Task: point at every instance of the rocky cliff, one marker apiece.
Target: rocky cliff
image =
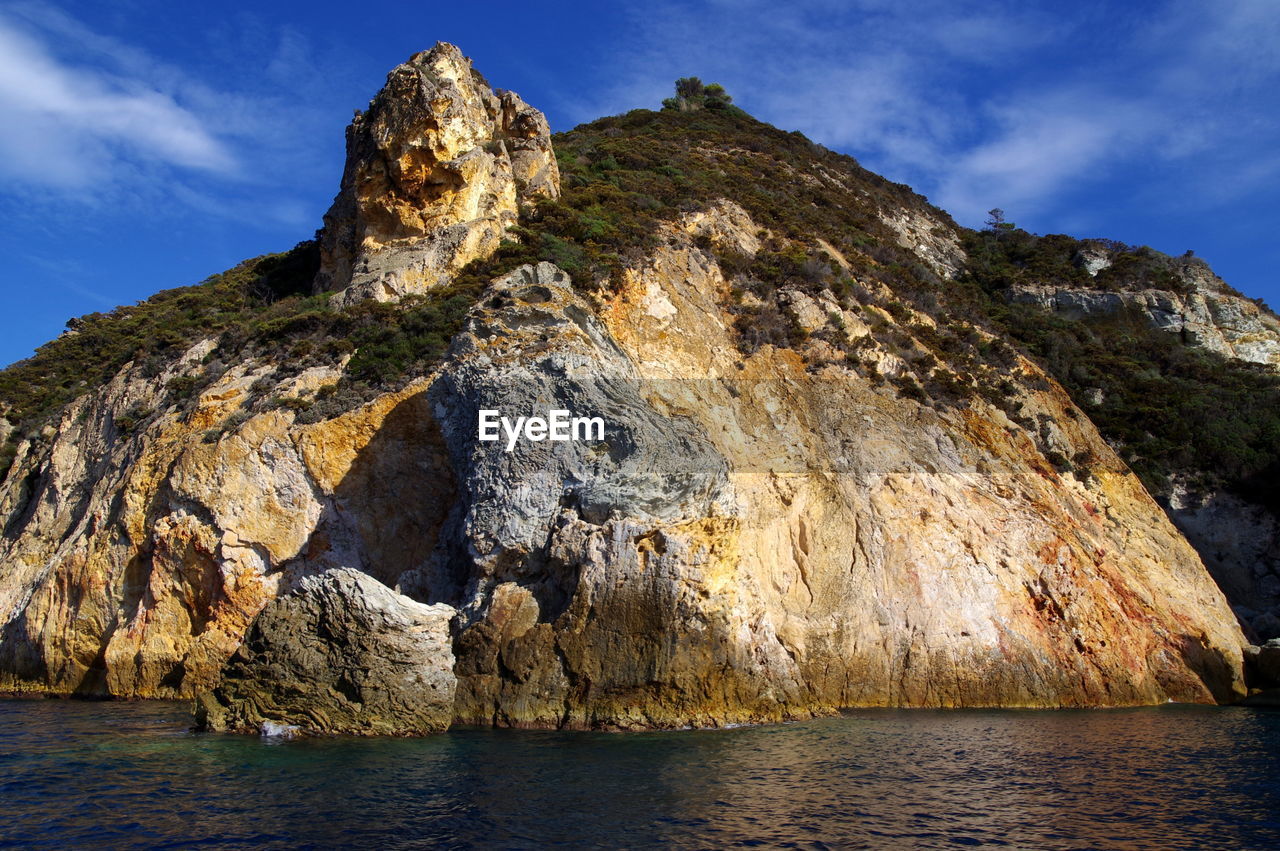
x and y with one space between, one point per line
1182 374
818 486
1203 311
437 169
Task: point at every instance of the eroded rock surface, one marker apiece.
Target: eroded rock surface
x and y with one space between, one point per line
341 654
861 550
757 536
752 541
1209 314
135 560
437 169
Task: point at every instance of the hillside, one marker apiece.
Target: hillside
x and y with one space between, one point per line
934 521
1187 419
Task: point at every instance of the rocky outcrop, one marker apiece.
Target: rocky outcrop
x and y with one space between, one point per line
1239 541
1208 314
135 559
437 169
753 540
1262 664
842 547
753 537
928 237
341 654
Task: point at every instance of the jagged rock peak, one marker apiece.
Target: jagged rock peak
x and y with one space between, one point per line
437 169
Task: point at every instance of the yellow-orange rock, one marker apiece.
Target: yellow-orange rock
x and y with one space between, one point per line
437 170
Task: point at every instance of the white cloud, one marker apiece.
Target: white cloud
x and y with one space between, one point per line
980 104
69 126
93 122
1037 147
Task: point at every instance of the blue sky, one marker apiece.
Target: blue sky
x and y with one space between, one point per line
146 144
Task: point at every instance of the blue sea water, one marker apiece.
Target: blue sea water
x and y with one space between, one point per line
132 775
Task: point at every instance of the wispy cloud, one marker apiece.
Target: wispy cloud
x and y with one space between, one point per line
991 103
69 126
92 121
1034 147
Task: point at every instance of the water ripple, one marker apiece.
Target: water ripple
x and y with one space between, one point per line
131 775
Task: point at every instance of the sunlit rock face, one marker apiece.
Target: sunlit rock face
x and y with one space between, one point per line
437 169
780 542
758 536
135 561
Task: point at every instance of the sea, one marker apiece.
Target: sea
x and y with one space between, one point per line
133 775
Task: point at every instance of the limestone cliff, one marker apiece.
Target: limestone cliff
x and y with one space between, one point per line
753 543
1203 311
820 545
765 531
437 169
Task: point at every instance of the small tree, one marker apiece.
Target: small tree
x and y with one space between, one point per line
692 95
715 97
996 222
690 89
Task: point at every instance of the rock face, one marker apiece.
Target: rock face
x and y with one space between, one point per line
1240 545
755 537
839 547
1209 314
341 654
135 560
1239 541
749 542
437 169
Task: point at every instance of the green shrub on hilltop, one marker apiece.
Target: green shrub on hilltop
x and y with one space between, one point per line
621 176
692 95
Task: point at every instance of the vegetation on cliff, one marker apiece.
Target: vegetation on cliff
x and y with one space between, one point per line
608 588
622 177
692 95
1171 408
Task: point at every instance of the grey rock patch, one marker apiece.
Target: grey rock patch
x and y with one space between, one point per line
533 346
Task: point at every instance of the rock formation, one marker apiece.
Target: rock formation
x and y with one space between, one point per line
1208 314
1239 540
759 535
341 654
437 169
844 528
